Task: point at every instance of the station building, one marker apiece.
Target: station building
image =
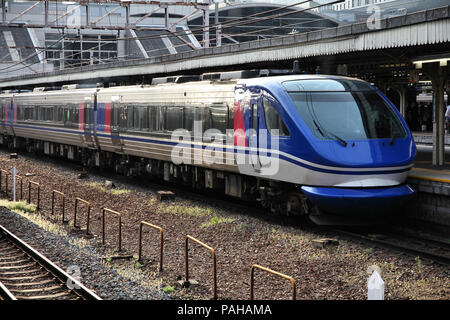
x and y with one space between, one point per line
28 50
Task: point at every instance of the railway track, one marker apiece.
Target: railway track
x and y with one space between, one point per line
25 274
409 243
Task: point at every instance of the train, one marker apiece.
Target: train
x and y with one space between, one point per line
309 145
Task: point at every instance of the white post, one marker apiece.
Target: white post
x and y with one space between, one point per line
14 172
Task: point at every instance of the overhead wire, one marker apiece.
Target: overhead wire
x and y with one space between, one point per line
156 36
228 24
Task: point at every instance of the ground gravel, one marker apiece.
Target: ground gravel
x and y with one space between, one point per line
241 237
96 275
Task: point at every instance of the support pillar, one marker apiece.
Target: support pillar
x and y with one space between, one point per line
437 73
402 102
206 28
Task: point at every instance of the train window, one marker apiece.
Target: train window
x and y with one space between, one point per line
37 113
174 116
356 115
230 124
66 115
130 117
152 114
123 113
115 115
87 114
205 115
273 120
140 118
143 116
219 116
19 112
30 115
255 116
136 122
60 115
189 117
321 85
75 114
156 118
49 114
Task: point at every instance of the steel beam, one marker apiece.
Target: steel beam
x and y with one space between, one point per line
25 11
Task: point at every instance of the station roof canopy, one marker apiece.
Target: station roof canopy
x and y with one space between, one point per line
401 38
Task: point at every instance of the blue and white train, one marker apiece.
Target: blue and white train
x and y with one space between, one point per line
339 145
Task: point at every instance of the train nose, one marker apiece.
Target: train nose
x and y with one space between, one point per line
363 202
370 153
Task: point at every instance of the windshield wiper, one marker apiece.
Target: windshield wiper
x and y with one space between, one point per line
391 142
342 141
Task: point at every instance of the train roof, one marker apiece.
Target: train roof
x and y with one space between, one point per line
267 78
280 79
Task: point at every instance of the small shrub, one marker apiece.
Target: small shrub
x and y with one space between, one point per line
168 289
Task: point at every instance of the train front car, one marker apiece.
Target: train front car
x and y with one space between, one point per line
342 143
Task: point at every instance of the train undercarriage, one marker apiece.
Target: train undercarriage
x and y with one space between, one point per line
277 197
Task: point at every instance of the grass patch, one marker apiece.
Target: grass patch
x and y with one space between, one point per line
184 207
28 211
21 206
215 221
98 186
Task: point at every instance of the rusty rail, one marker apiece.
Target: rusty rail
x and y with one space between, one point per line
2 171
104 210
21 185
38 192
88 213
63 197
252 271
214 271
141 225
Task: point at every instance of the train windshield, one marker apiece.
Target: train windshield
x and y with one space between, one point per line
344 110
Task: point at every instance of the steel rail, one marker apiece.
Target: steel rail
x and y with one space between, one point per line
78 288
5 294
389 241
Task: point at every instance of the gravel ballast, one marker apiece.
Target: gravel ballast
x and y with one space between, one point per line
240 236
85 263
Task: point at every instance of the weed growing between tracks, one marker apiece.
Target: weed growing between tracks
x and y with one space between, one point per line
29 211
114 191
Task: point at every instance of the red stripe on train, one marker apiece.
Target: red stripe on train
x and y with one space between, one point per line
81 116
108 117
239 126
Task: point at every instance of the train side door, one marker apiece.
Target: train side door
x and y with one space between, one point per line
254 132
118 119
88 114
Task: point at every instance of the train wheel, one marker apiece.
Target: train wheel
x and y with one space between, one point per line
294 206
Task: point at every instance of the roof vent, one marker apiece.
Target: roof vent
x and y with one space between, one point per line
42 89
242 74
176 79
78 86
245 74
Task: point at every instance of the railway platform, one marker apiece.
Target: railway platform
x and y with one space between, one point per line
432 203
